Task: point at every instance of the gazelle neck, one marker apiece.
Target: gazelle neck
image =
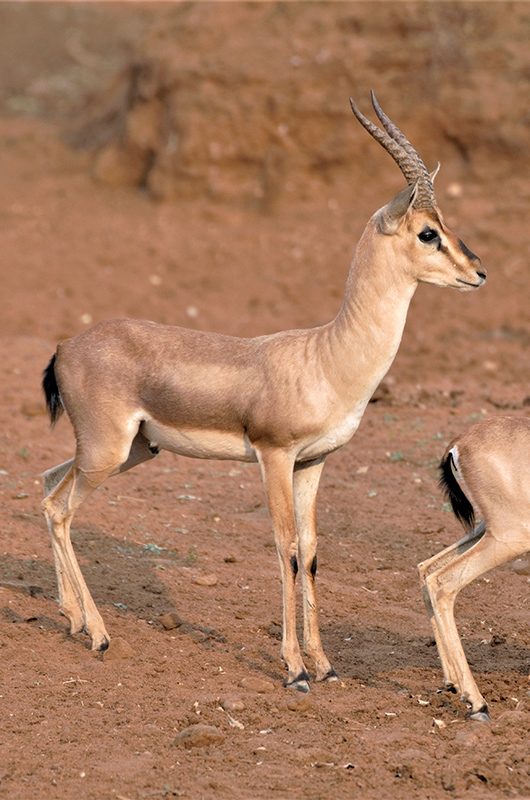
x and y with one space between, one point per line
365 335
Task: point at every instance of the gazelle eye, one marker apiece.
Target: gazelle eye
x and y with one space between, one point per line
428 235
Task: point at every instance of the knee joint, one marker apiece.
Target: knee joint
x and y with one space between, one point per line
54 512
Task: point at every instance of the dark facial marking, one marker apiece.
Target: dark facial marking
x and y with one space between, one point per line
314 567
294 565
466 251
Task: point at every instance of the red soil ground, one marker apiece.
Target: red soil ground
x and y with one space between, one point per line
75 250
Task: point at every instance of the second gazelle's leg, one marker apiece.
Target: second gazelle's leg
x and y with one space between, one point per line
426 568
277 473
443 585
305 485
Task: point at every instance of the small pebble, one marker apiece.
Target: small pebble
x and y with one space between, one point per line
170 620
259 685
490 366
199 735
118 649
448 780
472 735
521 566
301 703
232 703
205 580
496 639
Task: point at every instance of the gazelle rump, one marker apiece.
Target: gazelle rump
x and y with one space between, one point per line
285 400
486 475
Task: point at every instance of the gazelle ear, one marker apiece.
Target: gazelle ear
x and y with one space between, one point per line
390 216
435 172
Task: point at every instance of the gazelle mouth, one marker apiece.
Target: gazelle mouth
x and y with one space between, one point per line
468 283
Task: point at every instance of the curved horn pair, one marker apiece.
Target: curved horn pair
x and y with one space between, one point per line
398 146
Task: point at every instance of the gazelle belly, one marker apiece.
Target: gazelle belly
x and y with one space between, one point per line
199 443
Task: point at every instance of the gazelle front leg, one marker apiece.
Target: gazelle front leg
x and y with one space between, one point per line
305 485
277 474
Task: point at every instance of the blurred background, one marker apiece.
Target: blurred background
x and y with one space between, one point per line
199 164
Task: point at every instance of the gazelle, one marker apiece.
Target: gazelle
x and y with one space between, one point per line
485 473
286 400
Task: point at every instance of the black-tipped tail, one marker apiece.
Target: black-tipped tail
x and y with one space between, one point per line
462 508
51 391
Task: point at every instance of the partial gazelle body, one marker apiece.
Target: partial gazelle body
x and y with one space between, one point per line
286 400
486 475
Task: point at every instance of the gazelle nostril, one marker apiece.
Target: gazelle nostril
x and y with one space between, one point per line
481 275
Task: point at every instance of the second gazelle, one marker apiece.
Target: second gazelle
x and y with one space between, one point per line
286 400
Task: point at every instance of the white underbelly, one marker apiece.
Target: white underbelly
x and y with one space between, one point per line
199 443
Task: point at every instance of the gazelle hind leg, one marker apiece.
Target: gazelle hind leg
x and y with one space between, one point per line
305 486
68 600
66 487
59 507
445 583
277 473
448 553
425 569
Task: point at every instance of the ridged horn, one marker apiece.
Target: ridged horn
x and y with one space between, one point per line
397 145
425 191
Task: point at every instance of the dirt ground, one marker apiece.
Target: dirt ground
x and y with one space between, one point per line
80 244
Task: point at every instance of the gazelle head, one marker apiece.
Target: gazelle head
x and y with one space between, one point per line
415 232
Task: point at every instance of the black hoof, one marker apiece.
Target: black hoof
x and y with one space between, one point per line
330 677
482 715
300 683
447 687
300 686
